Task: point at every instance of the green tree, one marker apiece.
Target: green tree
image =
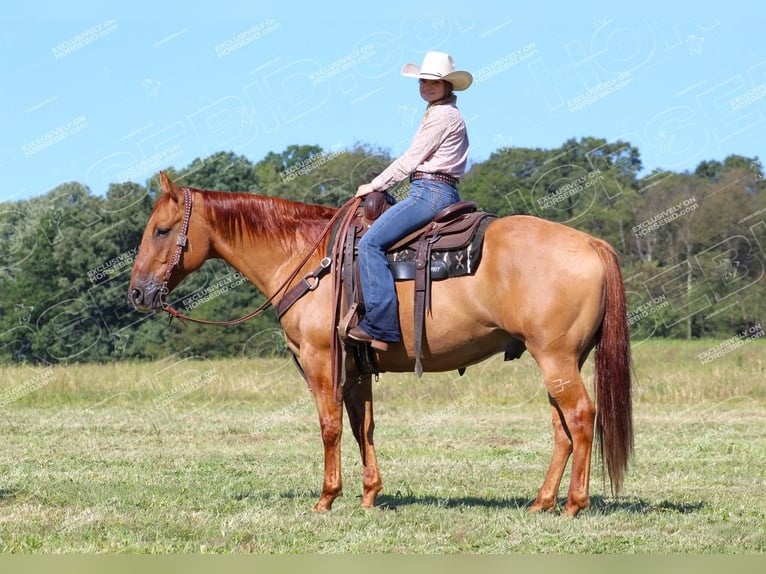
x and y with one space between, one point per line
222 171
693 245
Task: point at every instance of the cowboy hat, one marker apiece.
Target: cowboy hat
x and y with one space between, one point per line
439 66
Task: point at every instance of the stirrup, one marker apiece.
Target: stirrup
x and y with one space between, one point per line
365 338
344 325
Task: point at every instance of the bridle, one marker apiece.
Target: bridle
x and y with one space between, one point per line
180 244
309 282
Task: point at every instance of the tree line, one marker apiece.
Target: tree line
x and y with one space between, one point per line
692 246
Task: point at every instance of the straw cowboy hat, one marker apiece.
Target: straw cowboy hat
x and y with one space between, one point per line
439 66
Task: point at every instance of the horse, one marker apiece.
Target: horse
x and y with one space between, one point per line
541 286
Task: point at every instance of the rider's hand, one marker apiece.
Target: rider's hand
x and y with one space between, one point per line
364 189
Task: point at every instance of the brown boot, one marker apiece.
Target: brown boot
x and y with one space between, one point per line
362 336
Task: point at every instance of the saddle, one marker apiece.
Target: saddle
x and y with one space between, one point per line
448 246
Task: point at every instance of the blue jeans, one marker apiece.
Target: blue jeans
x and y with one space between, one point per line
426 199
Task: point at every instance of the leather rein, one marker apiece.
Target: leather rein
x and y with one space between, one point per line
309 282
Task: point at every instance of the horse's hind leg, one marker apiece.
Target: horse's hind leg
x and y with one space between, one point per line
358 399
562 448
573 416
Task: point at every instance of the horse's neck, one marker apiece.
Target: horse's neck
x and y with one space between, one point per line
269 243
261 263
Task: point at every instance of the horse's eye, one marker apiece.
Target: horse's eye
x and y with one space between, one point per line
162 231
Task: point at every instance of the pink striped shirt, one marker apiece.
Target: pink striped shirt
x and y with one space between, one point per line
440 145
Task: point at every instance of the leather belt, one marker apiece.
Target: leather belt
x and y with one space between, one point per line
442 177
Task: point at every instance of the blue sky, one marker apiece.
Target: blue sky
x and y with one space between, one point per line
102 92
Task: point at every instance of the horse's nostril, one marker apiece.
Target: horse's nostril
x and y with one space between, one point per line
135 295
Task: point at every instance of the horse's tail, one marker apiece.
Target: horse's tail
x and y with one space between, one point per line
614 408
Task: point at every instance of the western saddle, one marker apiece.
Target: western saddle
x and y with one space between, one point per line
448 246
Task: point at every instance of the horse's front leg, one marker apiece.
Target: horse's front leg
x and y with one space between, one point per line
331 425
358 399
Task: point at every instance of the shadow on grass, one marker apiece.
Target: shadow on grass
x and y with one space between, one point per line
394 501
7 494
639 506
266 495
598 504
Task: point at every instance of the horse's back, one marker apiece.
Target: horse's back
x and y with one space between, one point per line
538 235
536 252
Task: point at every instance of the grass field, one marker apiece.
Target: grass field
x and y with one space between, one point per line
190 456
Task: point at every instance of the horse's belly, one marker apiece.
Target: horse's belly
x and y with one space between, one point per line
444 353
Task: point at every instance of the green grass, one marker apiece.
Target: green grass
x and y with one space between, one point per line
135 458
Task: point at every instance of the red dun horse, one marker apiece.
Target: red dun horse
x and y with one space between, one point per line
541 286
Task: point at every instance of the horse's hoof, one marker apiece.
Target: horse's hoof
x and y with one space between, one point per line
573 510
323 505
541 506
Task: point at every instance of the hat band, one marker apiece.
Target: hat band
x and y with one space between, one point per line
433 74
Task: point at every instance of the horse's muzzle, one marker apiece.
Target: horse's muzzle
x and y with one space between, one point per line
146 299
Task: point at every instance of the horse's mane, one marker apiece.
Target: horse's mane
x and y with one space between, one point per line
292 223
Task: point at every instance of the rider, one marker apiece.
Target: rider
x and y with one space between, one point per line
434 162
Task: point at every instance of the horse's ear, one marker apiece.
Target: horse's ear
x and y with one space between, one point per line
169 187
